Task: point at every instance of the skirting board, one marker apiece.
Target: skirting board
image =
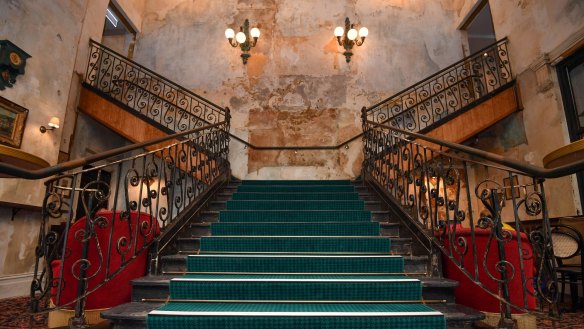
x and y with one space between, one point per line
15 285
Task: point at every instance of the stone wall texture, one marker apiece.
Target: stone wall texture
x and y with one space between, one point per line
297 89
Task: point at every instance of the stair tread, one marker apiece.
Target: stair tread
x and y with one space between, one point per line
138 311
294 278
164 280
307 309
457 312
406 257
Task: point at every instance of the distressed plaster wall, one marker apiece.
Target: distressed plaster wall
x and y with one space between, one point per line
56 34
49 32
539 32
297 89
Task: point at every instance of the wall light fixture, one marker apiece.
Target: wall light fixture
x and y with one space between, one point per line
347 37
245 39
53 124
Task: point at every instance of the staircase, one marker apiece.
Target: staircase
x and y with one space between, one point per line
293 254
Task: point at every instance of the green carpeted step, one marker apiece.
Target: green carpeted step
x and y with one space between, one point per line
294 316
295 287
296 228
303 241
295 205
294 216
363 245
296 189
294 196
296 182
296 263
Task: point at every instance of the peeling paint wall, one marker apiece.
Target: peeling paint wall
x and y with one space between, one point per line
48 31
56 34
539 32
296 89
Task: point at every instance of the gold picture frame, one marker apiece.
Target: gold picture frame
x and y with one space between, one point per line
12 121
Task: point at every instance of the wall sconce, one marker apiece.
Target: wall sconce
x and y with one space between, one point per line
347 37
243 39
53 124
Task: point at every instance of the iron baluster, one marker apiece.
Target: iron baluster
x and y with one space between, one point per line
497 227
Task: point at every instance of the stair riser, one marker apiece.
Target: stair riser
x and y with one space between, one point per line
297 229
294 189
302 264
389 230
306 290
300 322
294 216
212 216
371 206
398 246
312 244
140 291
175 264
141 324
295 196
197 231
229 196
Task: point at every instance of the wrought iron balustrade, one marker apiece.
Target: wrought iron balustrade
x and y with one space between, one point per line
457 198
452 90
147 93
100 223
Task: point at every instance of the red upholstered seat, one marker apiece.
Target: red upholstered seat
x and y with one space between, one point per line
129 235
470 294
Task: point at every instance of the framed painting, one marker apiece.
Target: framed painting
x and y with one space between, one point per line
12 121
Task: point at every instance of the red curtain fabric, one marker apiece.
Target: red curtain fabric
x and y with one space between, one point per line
130 234
468 293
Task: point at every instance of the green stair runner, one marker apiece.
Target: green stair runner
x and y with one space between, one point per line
295 196
296 182
294 216
296 244
296 263
308 246
296 228
294 316
294 205
296 189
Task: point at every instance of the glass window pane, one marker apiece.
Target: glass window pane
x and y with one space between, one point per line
577 84
480 31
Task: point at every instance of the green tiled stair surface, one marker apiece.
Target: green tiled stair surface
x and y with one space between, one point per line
297 228
295 316
296 263
295 196
297 287
294 216
296 244
311 248
295 205
296 189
